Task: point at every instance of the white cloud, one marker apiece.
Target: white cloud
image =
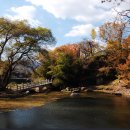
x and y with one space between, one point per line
80 30
87 12
80 10
24 13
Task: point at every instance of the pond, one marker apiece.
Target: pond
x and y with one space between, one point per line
92 111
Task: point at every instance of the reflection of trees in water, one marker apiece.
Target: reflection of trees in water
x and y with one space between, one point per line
5 120
18 119
121 111
82 113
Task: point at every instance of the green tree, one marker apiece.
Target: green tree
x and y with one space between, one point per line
44 64
61 69
19 41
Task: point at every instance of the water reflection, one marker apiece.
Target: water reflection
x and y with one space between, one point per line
93 111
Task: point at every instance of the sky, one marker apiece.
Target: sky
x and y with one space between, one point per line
69 20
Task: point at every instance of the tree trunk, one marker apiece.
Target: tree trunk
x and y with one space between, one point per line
5 80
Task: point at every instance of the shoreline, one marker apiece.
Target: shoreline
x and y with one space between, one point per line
30 101
116 87
124 93
40 99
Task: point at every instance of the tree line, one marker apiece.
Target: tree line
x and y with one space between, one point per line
79 64
86 63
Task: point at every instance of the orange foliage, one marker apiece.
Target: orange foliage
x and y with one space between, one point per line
112 45
71 49
126 43
124 69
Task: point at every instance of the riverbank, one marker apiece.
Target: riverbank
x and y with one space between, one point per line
116 87
34 100
39 99
30 101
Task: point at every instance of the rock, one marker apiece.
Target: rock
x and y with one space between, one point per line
31 91
83 88
89 90
69 89
27 92
75 90
37 90
74 94
63 90
118 94
44 88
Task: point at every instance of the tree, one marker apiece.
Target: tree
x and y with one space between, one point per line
88 48
63 65
93 34
19 41
116 1
44 61
70 49
113 32
126 47
124 70
61 70
125 13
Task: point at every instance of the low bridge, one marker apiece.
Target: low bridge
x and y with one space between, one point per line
28 86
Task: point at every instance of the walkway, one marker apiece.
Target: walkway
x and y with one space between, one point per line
29 86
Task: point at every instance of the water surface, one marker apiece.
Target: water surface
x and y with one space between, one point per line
92 111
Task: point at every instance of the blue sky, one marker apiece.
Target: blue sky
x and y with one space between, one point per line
69 20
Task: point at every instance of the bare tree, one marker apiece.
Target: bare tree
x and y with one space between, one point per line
89 48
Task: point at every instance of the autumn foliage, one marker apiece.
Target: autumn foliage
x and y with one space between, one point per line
87 63
70 49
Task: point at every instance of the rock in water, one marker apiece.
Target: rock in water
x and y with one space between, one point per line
74 94
27 92
118 94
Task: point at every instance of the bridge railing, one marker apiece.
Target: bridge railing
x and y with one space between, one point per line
20 87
